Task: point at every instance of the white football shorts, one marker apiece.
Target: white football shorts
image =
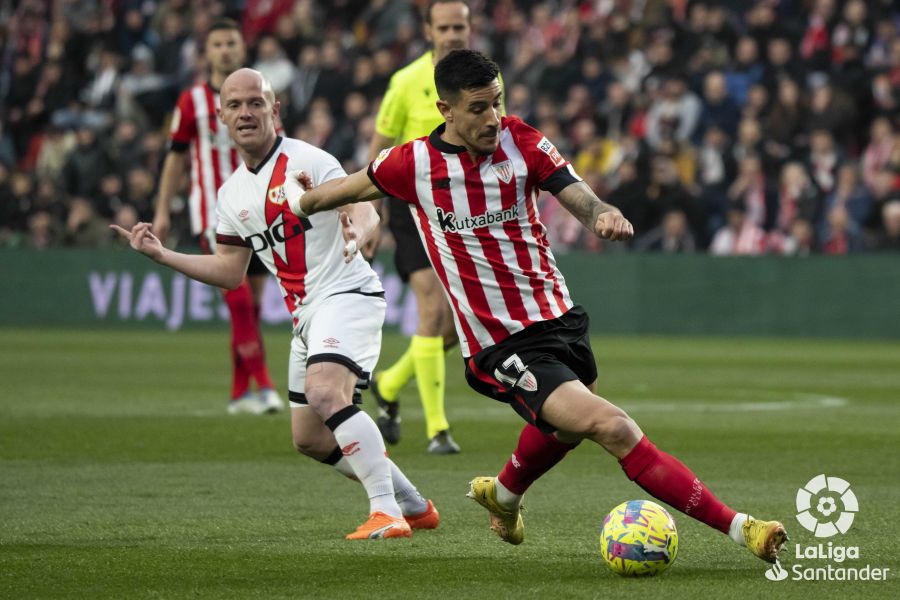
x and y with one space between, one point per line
344 328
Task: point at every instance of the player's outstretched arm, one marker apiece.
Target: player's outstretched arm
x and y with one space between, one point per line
605 220
225 268
305 200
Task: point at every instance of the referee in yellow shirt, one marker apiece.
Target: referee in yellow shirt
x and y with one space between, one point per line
407 112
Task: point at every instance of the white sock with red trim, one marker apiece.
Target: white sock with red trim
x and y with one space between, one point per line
363 449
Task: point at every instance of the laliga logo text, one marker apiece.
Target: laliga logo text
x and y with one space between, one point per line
826 506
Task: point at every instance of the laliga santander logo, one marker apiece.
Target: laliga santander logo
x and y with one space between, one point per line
826 506
835 505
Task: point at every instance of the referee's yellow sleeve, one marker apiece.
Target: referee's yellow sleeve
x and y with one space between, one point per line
391 117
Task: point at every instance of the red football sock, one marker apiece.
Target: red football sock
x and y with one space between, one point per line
666 478
246 342
536 454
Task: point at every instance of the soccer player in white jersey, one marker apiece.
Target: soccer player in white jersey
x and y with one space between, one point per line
197 133
334 296
472 186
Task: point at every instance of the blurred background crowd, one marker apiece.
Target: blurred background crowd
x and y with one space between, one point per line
721 126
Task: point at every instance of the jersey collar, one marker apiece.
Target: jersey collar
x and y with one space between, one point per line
441 145
263 162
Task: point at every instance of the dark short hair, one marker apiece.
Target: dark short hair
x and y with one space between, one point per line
463 70
432 3
223 24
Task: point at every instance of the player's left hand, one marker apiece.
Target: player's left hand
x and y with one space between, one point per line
613 226
351 237
141 239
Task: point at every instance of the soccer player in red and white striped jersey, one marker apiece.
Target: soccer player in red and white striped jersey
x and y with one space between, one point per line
472 186
197 133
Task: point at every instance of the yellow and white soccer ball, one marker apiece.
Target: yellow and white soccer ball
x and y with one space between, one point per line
639 539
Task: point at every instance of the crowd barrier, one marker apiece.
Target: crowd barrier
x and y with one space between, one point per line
852 296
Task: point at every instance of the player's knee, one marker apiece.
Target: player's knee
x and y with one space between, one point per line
326 399
304 446
613 431
310 446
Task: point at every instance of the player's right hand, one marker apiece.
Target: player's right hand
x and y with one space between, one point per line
141 239
613 226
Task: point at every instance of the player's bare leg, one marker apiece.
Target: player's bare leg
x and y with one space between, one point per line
313 439
577 413
329 391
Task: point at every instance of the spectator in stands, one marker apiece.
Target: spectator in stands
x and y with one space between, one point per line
840 235
739 236
888 238
798 198
882 141
800 241
675 113
84 228
785 136
781 63
751 192
87 164
719 110
672 236
824 158
850 193
716 168
746 71
274 65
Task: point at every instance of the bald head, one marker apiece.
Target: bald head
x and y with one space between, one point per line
249 110
248 78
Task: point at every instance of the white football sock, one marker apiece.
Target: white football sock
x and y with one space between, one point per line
408 497
734 530
405 493
363 449
506 497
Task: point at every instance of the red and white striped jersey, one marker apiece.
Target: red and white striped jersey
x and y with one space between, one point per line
196 127
306 255
480 223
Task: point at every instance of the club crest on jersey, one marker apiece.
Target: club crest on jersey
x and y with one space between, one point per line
503 171
547 147
381 158
277 195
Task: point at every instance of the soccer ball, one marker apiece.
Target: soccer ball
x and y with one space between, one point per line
639 539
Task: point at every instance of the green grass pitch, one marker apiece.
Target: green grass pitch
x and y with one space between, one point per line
122 476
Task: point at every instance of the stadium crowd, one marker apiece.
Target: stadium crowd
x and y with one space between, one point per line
722 126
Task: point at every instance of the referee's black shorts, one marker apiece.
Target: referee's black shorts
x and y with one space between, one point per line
525 368
409 255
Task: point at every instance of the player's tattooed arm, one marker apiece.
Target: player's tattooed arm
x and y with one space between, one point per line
605 220
305 200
